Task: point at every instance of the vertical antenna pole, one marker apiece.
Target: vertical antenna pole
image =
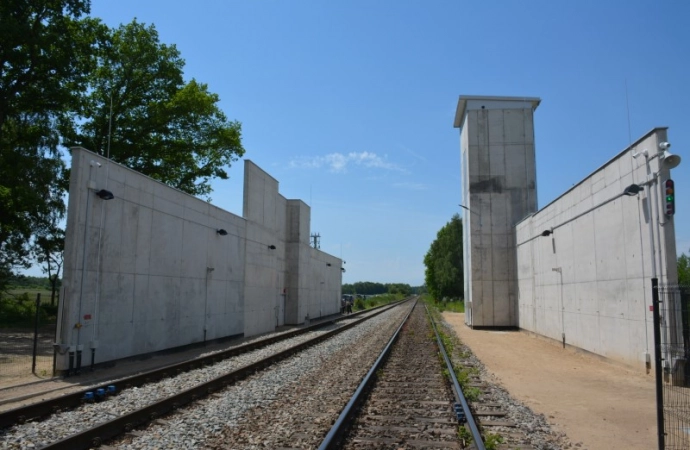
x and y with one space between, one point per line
627 107
110 122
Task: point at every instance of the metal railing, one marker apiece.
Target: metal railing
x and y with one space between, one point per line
672 358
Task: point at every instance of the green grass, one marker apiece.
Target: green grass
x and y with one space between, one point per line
457 306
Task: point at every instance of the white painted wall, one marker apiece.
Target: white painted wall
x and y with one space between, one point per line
589 282
147 271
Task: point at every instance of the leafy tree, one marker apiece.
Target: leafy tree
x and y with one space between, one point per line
684 270
444 264
21 281
44 53
162 127
48 249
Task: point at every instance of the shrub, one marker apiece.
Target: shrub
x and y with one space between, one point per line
359 304
20 311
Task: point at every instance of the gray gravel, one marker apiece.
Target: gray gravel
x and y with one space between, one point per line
63 424
532 428
292 404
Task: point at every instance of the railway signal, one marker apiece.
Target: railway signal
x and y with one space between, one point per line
670 198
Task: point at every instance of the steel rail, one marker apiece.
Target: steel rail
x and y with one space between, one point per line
97 435
70 401
476 434
344 417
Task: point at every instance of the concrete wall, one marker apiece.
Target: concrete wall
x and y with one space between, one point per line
588 283
499 189
147 270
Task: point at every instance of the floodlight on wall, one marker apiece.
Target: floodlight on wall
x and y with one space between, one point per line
221 232
105 195
546 233
328 264
272 247
669 160
342 269
633 189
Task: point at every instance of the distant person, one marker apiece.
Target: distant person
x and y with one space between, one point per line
349 307
343 305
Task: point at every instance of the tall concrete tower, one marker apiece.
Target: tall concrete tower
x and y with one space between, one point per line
498 190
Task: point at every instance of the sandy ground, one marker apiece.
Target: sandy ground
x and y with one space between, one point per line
596 403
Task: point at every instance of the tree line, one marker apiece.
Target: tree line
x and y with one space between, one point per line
67 79
372 288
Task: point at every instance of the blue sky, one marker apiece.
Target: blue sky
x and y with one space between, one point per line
350 104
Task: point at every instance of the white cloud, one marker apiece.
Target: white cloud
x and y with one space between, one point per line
339 163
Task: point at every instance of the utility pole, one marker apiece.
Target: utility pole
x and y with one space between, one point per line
315 240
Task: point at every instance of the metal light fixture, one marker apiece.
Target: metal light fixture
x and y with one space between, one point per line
222 232
633 189
328 264
342 269
669 160
105 195
473 212
546 233
272 247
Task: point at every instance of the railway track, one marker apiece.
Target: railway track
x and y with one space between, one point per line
294 401
212 373
408 399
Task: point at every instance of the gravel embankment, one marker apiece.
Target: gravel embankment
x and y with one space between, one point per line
63 424
290 405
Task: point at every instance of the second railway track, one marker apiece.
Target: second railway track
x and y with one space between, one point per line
95 423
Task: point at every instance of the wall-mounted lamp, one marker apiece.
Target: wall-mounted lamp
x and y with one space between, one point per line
272 247
633 189
669 160
473 212
546 233
342 269
221 232
328 264
105 195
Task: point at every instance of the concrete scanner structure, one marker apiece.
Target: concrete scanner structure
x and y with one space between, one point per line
579 269
149 268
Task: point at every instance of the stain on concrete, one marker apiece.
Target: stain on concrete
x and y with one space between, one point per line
489 185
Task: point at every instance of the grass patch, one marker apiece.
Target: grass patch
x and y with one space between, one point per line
458 306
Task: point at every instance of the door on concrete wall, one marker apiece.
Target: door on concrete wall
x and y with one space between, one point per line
280 308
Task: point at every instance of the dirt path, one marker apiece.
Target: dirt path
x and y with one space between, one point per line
601 405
